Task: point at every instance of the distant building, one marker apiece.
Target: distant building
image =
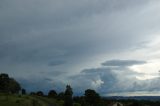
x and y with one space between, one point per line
116 104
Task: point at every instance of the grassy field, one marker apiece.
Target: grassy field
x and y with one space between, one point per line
26 100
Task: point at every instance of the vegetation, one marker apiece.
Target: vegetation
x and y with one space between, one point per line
68 96
39 93
52 94
19 100
23 91
8 85
92 98
10 95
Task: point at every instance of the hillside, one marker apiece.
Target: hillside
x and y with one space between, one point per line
26 100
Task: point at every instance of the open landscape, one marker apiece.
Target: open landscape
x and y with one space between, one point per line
30 100
11 94
79 53
22 100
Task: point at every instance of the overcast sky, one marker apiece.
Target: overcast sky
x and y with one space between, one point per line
111 46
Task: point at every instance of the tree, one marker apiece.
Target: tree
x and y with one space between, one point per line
52 94
79 99
8 85
32 93
23 91
92 98
40 93
68 96
13 86
61 96
4 80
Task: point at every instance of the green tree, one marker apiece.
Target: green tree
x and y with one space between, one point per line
23 91
32 93
68 96
4 81
52 94
61 96
92 98
13 86
39 93
8 85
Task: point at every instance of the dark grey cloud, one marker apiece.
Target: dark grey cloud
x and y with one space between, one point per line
38 30
35 84
56 63
112 80
35 35
122 62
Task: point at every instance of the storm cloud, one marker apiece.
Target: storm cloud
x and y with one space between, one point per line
88 41
122 62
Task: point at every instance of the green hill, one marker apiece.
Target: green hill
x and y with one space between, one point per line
27 100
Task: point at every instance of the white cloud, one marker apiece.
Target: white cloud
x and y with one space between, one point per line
97 83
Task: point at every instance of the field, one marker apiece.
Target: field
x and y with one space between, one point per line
33 100
27 100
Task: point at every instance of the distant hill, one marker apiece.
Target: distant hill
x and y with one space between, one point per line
151 98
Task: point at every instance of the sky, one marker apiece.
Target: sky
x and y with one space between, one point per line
111 46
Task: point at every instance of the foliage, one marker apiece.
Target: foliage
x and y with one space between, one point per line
39 93
68 96
32 93
76 104
61 96
52 94
92 98
14 86
8 85
16 100
23 91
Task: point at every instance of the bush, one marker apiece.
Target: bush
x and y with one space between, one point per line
76 104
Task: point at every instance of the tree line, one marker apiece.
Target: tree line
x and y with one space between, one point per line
90 97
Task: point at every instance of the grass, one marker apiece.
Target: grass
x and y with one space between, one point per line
24 100
28 100
51 101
